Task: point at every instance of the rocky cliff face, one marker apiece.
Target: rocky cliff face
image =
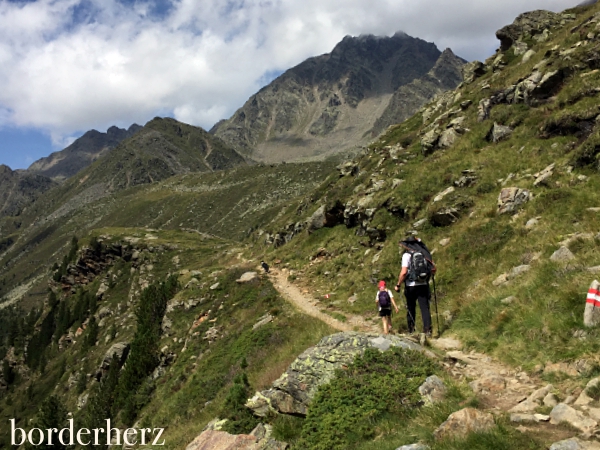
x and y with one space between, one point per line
81 153
445 75
327 103
18 189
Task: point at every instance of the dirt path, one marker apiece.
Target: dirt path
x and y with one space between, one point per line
500 388
310 306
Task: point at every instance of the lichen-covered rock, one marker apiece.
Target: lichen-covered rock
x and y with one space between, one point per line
294 390
511 198
499 133
463 422
121 350
433 390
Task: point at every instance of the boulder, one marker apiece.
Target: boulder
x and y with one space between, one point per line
550 400
247 277
575 444
121 349
463 422
414 447
433 390
564 413
527 56
348 169
220 440
448 138
295 389
326 218
484 109
499 133
445 217
584 398
510 199
473 70
429 141
563 254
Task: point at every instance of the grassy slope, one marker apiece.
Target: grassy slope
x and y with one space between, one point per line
539 326
227 204
193 390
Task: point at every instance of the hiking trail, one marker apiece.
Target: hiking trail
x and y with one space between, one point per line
498 387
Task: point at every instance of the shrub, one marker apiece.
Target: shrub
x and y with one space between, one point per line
345 412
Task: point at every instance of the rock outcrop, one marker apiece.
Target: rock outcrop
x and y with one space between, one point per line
529 24
215 439
294 390
463 422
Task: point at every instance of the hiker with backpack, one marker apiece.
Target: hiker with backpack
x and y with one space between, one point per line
417 269
385 300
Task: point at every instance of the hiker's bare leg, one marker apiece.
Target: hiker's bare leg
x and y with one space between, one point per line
385 325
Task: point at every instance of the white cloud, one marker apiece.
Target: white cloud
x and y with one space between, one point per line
67 66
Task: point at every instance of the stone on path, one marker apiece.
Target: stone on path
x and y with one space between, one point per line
565 413
575 444
584 398
461 423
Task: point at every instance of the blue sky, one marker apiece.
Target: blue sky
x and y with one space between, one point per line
67 66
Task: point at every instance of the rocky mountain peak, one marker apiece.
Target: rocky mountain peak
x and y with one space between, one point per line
81 153
328 103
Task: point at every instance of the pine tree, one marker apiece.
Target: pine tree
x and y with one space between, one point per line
52 414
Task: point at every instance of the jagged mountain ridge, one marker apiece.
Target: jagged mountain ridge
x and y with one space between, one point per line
81 153
161 149
329 103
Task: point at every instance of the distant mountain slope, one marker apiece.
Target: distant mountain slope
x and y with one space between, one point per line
328 103
445 75
81 153
18 189
159 150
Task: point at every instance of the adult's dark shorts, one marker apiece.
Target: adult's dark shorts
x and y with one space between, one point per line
385 313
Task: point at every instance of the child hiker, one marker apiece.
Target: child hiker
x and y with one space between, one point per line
385 300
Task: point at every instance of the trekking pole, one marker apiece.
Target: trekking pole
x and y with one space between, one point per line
437 316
